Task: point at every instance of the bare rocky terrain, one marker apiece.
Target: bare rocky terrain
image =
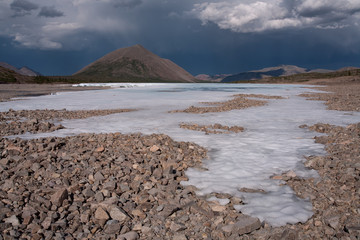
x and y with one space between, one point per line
239 101
115 186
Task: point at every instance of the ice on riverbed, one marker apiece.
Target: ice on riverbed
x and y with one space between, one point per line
271 144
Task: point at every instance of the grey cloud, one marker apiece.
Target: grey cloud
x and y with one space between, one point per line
127 3
50 12
22 7
260 15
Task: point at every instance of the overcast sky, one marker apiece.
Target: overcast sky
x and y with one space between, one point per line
58 37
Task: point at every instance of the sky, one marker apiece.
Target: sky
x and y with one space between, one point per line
59 37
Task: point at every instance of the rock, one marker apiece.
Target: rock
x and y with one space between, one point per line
129 236
99 197
26 216
100 149
154 148
13 220
289 234
145 230
101 214
98 176
58 197
88 192
84 217
333 222
112 227
139 213
47 222
117 214
318 223
176 227
291 174
111 185
218 208
244 224
179 236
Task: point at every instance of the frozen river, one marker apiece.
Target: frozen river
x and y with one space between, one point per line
271 144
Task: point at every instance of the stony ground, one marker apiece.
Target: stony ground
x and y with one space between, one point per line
8 91
240 101
108 186
115 186
342 97
212 129
38 121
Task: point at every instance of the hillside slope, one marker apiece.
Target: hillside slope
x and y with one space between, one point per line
10 76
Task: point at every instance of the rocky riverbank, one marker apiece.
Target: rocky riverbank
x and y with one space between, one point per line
115 186
8 91
344 97
39 121
109 186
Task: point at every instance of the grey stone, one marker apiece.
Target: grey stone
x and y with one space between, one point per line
88 192
13 220
179 236
98 176
129 236
245 224
99 197
117 214
101 214
112 227
58 197
111 185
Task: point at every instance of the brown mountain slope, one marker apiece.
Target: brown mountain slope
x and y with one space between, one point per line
10 76
134 64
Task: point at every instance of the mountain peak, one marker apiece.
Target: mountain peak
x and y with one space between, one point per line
135 63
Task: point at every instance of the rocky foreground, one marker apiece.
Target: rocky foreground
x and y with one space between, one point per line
115 186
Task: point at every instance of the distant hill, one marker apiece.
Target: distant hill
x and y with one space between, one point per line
211 78
10 76
28 72
343 76
23 71
283 70
134 64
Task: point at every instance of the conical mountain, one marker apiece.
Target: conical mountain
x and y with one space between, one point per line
134 64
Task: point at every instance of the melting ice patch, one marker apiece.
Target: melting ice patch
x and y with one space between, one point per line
272 142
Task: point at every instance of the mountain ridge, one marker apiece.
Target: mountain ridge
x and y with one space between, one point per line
278 71
26 71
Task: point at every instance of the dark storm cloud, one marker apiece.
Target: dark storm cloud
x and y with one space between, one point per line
127 3
202 36
259 16
50 12
22 7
